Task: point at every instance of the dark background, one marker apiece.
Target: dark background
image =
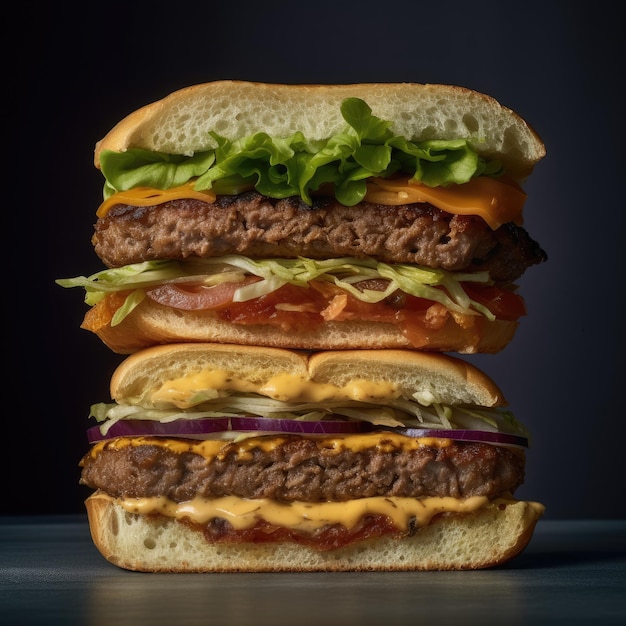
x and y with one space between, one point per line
74 73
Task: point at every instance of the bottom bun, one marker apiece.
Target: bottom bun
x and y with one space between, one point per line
154 543
152 323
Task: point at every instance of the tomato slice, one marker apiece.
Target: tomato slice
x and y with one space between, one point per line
195 297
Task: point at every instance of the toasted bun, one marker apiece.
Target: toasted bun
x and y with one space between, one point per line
429 376
180 123
151 323
485 538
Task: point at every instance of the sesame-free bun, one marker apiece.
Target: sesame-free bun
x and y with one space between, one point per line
181 122
483 538
151 323
427 376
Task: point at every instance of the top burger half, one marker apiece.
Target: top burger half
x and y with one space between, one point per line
313 217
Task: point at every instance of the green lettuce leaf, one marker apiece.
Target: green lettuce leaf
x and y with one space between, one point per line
142 168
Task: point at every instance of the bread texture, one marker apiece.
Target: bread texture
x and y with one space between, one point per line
181 122
428 376
487 537
152 323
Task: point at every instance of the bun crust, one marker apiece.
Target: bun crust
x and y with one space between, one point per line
485 538
180 123
151 323
434 377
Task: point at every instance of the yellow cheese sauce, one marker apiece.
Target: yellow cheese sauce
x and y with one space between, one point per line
242 513
284 387
216 448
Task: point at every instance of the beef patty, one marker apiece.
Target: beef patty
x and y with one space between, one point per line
254 225
297 468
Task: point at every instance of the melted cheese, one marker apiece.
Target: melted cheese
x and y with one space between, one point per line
244 513
215 448
497 201
284 387
147 196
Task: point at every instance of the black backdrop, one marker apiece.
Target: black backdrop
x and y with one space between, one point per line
74 74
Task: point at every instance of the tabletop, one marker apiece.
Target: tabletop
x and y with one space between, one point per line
573 572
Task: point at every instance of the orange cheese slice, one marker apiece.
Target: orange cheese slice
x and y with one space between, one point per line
497 201
148 196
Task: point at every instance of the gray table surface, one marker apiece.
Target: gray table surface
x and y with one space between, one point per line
573 572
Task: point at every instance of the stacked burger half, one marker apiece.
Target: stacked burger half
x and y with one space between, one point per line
289 270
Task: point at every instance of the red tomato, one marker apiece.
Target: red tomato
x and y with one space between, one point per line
505 305
288 307
194 297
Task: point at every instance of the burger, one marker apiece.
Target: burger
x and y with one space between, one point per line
316 217
224 458
287 270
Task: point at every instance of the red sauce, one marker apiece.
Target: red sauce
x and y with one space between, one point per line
292 308
327 538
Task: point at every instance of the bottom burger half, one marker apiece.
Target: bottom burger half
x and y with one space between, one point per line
217 458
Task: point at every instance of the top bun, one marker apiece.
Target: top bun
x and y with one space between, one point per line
180 123
424 376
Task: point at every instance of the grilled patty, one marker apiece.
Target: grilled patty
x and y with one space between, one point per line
298 468
254 225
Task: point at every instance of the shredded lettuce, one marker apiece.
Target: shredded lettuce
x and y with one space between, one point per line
395 412
135 276
280 167
423 282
